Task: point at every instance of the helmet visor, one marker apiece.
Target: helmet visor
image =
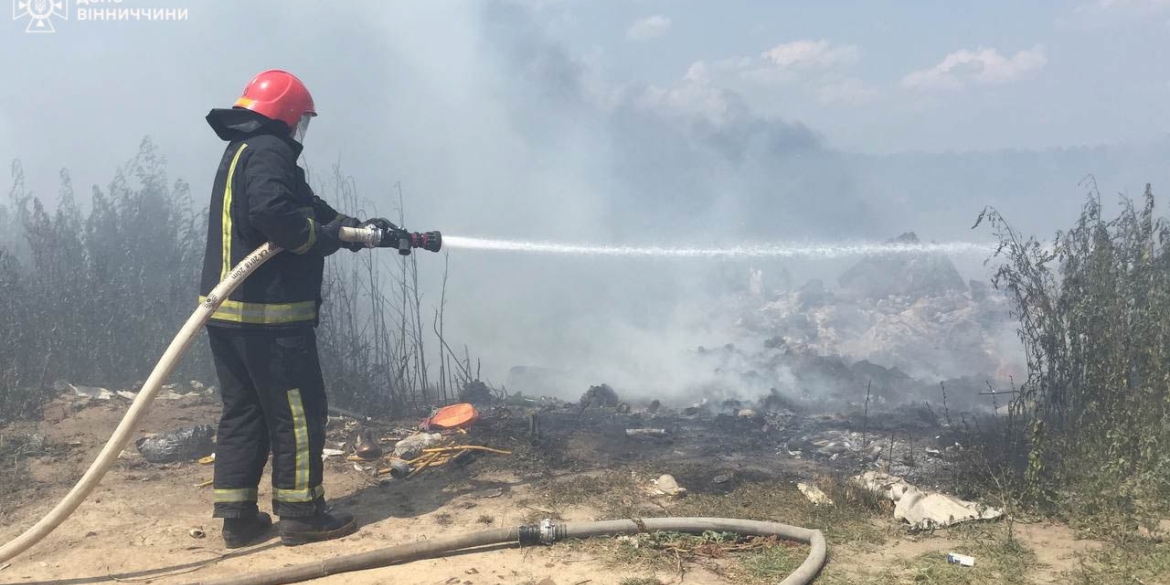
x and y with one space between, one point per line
302 128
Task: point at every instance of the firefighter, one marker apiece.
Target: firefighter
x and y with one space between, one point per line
263 337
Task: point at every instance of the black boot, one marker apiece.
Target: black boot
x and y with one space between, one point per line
238 532
315 528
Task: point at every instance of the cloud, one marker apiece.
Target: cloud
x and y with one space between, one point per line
707 72
1105 14
815 67
698 72
648 28
848 91
533 4
1101 5
802 61
980 67
809 53
694 99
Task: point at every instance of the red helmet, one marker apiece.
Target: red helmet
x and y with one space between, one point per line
278 95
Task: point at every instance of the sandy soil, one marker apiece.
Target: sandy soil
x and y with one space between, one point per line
136 527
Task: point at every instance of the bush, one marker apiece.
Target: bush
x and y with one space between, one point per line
1094 311
97 297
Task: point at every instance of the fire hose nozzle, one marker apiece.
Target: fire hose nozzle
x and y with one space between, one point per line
405 241
429 241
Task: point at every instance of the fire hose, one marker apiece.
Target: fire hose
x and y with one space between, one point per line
545 533
368 236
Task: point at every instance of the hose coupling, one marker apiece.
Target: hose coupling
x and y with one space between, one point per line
544 533
548 531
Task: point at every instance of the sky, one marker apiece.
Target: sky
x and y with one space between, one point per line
681 122
868 76
881 76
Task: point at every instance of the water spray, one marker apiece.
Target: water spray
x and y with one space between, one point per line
775 250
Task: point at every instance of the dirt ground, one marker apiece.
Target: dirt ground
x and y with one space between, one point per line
137 526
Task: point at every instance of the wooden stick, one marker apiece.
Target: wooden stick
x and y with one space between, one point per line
466 447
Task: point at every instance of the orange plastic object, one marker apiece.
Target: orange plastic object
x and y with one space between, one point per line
456 416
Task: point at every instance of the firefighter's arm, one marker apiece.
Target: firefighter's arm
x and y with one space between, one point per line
325 214
272 210
323 211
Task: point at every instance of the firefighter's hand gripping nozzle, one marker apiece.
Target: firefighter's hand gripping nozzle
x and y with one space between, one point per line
404 241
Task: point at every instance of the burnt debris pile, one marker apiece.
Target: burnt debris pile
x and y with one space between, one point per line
895 330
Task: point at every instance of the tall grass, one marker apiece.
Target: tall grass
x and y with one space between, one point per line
1094 310
374 334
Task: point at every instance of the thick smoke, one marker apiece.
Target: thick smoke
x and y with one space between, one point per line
690 165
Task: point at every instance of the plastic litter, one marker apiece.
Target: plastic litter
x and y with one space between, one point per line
666 485
412 446
922 509
91 392
455 416
814 494
958 559
644 433
184 444
98 393
399 469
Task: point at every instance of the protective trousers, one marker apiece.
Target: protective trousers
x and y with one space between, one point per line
273 398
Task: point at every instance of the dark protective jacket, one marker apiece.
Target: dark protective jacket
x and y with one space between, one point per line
260 195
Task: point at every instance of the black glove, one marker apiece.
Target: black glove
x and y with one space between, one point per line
380 223
332 230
